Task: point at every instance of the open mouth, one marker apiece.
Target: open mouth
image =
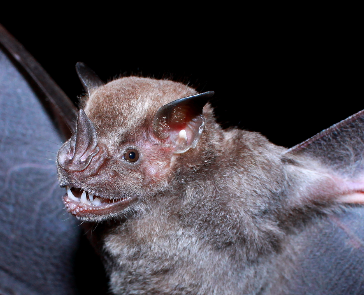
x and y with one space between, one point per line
83 204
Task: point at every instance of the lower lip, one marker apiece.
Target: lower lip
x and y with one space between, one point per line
82 210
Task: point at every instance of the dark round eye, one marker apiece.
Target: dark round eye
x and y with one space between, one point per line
131 155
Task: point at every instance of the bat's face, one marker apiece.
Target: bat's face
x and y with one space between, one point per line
115 158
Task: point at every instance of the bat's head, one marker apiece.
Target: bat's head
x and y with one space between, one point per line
128 137
153 147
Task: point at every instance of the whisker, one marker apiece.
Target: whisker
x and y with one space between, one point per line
94 228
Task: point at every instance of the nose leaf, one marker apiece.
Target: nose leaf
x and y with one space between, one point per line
77 153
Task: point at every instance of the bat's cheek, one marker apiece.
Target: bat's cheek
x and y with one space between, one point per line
156 172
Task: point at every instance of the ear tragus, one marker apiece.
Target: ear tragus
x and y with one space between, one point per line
181 121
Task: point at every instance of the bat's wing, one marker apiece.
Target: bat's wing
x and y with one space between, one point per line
331 256
39 242
331 260
340 147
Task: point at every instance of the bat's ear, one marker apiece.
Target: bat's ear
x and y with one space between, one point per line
88 78
181 121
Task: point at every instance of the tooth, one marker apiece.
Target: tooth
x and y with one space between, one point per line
84 199
96 202
91 197
70 195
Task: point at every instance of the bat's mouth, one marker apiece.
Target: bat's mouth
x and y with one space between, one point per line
84 205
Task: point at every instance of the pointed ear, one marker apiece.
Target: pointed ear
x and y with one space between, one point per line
181 121
88 78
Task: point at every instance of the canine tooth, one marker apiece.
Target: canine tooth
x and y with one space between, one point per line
84 199
91 197
70 195
96 202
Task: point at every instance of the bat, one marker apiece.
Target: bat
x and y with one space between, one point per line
242 218
190 208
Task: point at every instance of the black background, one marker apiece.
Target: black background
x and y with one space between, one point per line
285 75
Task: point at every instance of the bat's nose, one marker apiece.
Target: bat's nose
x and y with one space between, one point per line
78 153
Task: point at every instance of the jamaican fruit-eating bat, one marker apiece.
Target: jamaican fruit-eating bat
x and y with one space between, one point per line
186 207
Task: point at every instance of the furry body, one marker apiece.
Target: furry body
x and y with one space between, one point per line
221 218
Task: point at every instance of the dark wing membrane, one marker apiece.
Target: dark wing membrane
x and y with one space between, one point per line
62 105
340 147
42 249
38 241
331 256
333 249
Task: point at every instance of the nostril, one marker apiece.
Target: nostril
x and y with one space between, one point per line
80 167
88 155
65 155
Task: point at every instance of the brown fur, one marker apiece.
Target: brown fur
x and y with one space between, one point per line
220 218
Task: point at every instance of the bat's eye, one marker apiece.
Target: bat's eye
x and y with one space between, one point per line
131 155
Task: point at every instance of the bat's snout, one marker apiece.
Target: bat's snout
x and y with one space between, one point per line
82 153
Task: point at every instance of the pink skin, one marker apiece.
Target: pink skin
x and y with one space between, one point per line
155 163
352 192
